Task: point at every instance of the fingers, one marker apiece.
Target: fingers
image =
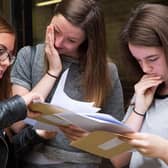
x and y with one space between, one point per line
49 41
124 137
34 114
146 82
37 98
73 132
137 140
46 134
150 76
31 96
52 55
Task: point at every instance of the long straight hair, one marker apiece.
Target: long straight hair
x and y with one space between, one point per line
88 15
5 86
147 26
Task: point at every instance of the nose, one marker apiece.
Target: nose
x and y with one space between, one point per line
59 42
146 67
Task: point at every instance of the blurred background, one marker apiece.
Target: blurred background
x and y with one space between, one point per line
30 18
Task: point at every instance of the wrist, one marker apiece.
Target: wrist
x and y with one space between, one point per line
138 112
54 72
53 75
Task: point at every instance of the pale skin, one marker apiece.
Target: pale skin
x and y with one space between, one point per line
61 38
150 145
152 61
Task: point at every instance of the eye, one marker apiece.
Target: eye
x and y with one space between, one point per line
2 51
152 59
72 41
56 31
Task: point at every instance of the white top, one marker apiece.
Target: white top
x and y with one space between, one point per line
155 122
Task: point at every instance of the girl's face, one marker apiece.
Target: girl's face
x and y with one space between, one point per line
7 42
152 60
68 37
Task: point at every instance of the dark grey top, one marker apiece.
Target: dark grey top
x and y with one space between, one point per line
28 70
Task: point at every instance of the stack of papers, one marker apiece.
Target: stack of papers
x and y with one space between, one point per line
63 110
55 116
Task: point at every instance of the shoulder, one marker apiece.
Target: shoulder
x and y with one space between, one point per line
30 54
113 70
28 49
112 67
39 48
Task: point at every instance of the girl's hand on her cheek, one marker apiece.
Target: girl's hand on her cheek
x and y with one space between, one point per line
55 65
73 132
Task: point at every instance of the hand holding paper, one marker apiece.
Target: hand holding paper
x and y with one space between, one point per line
92 132
73 132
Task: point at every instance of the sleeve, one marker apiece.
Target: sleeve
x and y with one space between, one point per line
12 110
25 140
21 70
115 102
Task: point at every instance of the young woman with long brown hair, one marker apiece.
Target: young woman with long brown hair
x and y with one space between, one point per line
77 35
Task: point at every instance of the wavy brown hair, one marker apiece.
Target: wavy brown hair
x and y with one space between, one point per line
5 86
88 15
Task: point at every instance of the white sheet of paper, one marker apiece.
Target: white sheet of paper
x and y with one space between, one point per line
40 125
61 99
92 124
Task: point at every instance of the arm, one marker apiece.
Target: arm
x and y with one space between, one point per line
43 87
21 73
47 82
144 95
12 110
144 92
54 65
15 109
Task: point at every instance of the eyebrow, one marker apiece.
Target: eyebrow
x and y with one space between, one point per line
3 46
150 56
59 30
